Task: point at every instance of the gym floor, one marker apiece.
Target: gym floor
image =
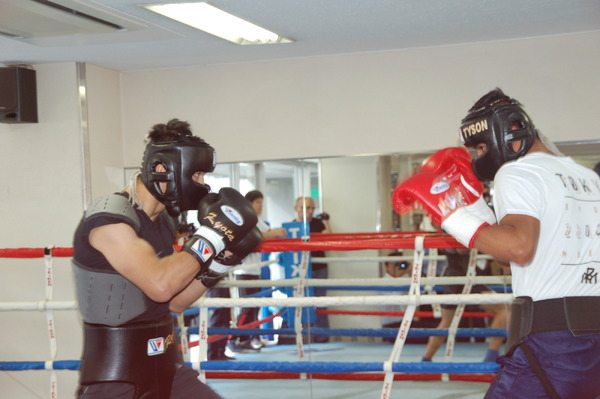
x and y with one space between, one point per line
352 352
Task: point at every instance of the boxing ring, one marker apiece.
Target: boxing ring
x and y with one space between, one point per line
418 290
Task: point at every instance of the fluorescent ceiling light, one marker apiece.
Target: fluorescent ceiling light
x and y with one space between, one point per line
217 22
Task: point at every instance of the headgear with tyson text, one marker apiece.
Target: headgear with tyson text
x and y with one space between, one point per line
496 120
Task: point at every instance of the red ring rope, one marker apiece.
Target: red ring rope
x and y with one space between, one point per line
357 241
322 241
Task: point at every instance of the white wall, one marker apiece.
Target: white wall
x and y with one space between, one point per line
42 199
367 103
105 131
40 204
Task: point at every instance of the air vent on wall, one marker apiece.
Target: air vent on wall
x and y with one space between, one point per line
30 19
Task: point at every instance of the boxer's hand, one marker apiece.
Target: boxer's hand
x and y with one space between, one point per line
452 157
438 193
225 219
228 213
204 245
227 258
235 253
450 194
466 222
213 274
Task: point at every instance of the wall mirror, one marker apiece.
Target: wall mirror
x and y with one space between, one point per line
283 181
354 190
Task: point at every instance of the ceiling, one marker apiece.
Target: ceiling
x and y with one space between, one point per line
319 27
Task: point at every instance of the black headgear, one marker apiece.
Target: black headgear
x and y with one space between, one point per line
597 168
494 125
181 159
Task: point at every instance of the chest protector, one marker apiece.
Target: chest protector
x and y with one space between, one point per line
106 297
143 354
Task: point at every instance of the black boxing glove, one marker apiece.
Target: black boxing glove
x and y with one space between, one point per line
241 249
225 220
227 213
221 264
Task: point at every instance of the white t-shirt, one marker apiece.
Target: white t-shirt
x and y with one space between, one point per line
254 257
565 197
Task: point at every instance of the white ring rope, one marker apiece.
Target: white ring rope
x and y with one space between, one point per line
39 305
253 266
340 259
454 299
365 282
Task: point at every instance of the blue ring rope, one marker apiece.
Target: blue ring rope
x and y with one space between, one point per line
295 367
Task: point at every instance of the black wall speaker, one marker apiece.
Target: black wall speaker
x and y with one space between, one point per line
18 95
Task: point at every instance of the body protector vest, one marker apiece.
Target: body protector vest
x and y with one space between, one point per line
107 297
145 353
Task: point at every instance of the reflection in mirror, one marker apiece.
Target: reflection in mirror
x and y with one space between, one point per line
281 182
356 190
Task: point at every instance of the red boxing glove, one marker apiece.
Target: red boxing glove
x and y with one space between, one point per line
437 195
446 158
445 185
451 161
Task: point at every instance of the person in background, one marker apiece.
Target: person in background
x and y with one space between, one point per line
394 269
129 278
305 209
249 270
